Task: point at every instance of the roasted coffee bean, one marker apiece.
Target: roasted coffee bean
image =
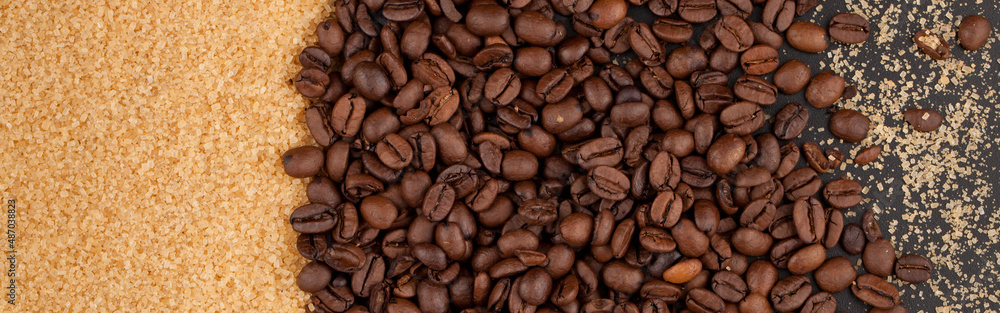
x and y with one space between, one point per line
487 19
932 44
790 293
311 82
532 61
755 89
502 87
729 286
849 125
879 257
791 121
875 291
304 161
853 239
672 30
778 14
842 193
742 118
849 28
815 158
313 277
725 153
766 36
913 268
923 120
740 8
973 32
810 220
822 302
696 11
344 257
751 242
807 259
761 277
378 211
755 302
807 37
701 300
330 36
835 274
683 61
792 77
868 155
824 89
870 226
313 218
734 33
759 59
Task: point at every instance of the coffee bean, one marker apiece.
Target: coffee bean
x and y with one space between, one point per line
313 218
761 276
913 268
751 242
802 182
742 118
868 155
807 37
304 161
790 293
973 32
923 120
755 302
502 87
378 211
853 239
729 286
755 89
849 28
842 193
778 14
822 302
932 44
875 291
701 300
313 277
815 158
672 30
870 226
792 77
734 33
810 220
824 89
759 60
763 35
344 257
311 82
807 259
683 61
725 153
834 228
791 121
879 257
849 125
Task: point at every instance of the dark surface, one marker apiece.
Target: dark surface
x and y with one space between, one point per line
961 279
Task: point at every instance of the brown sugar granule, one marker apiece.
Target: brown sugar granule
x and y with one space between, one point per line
142 141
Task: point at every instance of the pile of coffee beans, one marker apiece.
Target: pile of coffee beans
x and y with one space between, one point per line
479 156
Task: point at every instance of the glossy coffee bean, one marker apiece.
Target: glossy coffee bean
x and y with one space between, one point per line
923 120
849 125
974 31
849 28
807 37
